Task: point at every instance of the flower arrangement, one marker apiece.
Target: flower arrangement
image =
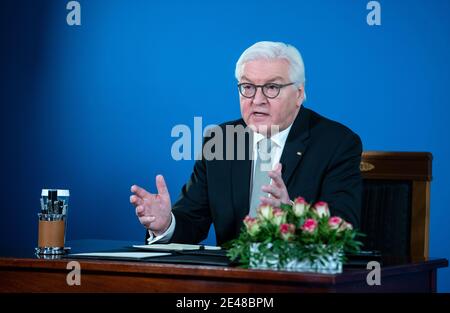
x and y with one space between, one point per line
300 237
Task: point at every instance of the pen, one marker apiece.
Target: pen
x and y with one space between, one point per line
60 206
43 207
55 207
52 201
49 206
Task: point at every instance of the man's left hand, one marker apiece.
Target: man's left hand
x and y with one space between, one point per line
277 190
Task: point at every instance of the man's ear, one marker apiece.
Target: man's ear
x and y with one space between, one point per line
300 95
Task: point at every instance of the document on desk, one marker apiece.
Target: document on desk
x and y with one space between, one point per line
175 247
121 255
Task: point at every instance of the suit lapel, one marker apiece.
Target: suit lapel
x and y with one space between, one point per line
296 144
240 179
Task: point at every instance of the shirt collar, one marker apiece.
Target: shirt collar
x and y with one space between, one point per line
279 138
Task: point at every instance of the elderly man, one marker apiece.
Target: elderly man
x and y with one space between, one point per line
308 155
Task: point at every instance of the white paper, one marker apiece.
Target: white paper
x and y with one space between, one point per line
174 247
136 255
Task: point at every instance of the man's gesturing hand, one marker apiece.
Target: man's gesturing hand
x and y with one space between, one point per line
277 190
153 210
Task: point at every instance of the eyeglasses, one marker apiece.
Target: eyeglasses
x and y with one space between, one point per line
270 90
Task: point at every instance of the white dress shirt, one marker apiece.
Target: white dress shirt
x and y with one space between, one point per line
278 142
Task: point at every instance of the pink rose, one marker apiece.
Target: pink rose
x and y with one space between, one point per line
300 206
287 231
252 225
279 216
334 222
309 225
321 208
248 220
345 226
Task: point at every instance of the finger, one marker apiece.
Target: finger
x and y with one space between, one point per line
274 191
140 192
135 200
147 220
140 211
276 178
278 168
161 186
270 201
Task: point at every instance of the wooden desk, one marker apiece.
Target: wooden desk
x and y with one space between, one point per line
38 275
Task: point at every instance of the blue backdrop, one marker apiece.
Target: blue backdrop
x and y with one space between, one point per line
91 107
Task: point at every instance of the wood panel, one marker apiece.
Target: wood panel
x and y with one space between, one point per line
397 165
34 275
415 167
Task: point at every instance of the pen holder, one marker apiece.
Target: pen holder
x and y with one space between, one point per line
52 229
52 222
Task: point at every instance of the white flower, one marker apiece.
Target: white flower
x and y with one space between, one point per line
279 217
300 206
321 209
345 226
266 212
252 225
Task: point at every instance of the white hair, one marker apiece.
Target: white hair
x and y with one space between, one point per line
274 50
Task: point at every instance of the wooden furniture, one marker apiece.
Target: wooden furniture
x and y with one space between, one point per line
29 274
401 181
33 275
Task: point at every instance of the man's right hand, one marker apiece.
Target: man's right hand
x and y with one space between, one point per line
153 210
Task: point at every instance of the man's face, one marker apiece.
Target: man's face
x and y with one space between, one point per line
262 112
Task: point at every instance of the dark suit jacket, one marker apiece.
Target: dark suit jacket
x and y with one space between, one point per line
327 170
